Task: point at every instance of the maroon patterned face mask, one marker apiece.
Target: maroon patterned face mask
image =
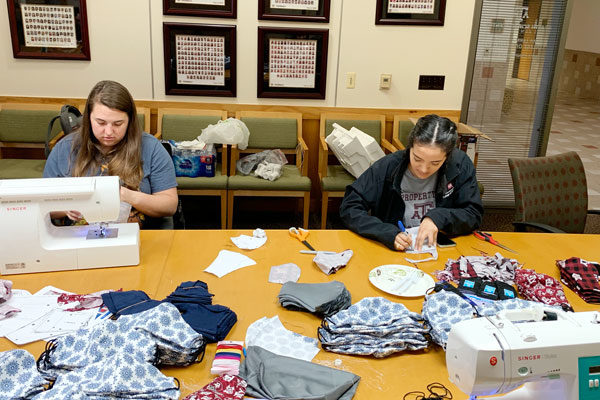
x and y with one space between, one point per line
540 287
224 387
581 276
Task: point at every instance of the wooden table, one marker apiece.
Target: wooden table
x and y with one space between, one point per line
168 258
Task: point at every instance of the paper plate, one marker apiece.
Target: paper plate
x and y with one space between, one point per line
389 278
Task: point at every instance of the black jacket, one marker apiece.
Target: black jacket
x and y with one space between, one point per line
372 205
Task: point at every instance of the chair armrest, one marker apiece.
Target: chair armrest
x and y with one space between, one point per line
323 144
323 154
387 146
235 155
398 144
158 135
521 225
303 153
55 139
224 159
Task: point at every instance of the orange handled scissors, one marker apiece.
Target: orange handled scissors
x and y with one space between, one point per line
301 235
488 238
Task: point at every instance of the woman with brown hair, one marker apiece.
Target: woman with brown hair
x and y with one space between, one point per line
111 142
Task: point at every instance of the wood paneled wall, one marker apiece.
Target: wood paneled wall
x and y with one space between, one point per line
310 121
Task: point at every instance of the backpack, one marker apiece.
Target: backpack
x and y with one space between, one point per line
70 119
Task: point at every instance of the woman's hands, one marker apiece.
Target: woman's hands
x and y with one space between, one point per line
427 231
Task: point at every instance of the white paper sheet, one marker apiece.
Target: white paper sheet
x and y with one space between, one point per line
228 261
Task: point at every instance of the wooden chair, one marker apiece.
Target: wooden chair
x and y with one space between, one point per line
23 126
272 130
333 177
186 124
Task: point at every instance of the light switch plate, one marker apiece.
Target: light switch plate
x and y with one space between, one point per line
385 81
350 80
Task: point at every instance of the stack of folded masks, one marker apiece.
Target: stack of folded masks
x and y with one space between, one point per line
119 376
194 302
158 336
323 299
445 308
128 302
191 292
213 321
373 326
581 276
540 287
271 376
486 267
19 377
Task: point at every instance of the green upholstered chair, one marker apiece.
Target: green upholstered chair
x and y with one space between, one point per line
333 177
272 130
550 193
186 124
24 127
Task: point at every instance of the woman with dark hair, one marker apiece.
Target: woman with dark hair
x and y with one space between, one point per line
111 142
431 184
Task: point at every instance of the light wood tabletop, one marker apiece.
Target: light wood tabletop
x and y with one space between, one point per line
169 258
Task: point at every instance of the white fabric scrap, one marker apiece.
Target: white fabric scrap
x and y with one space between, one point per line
330 263
269 171
270 334
426 248
289 272
228 261
245 242
190 145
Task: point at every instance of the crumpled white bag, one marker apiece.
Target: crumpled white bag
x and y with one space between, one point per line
229 131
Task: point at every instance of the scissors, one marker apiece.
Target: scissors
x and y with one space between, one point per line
488 238
301 235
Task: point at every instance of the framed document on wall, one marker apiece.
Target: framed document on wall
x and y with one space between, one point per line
201 8
294 10
54 29
292 63
410 12
199 59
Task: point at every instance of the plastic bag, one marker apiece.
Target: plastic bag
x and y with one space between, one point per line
269 171
193 162
229 131
247 164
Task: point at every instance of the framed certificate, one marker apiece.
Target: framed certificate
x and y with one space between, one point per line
410 12
201 8
292 63
294 10
199 59
54 29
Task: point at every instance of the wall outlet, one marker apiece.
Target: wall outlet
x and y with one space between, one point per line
385 81
350 80
431 82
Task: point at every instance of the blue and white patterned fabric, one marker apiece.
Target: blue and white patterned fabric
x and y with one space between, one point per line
443 309
157 336
373 326
121 376
19 377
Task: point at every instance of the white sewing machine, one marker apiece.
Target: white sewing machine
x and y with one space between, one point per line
29 242
552 359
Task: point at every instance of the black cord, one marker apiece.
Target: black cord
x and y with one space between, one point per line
436 390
